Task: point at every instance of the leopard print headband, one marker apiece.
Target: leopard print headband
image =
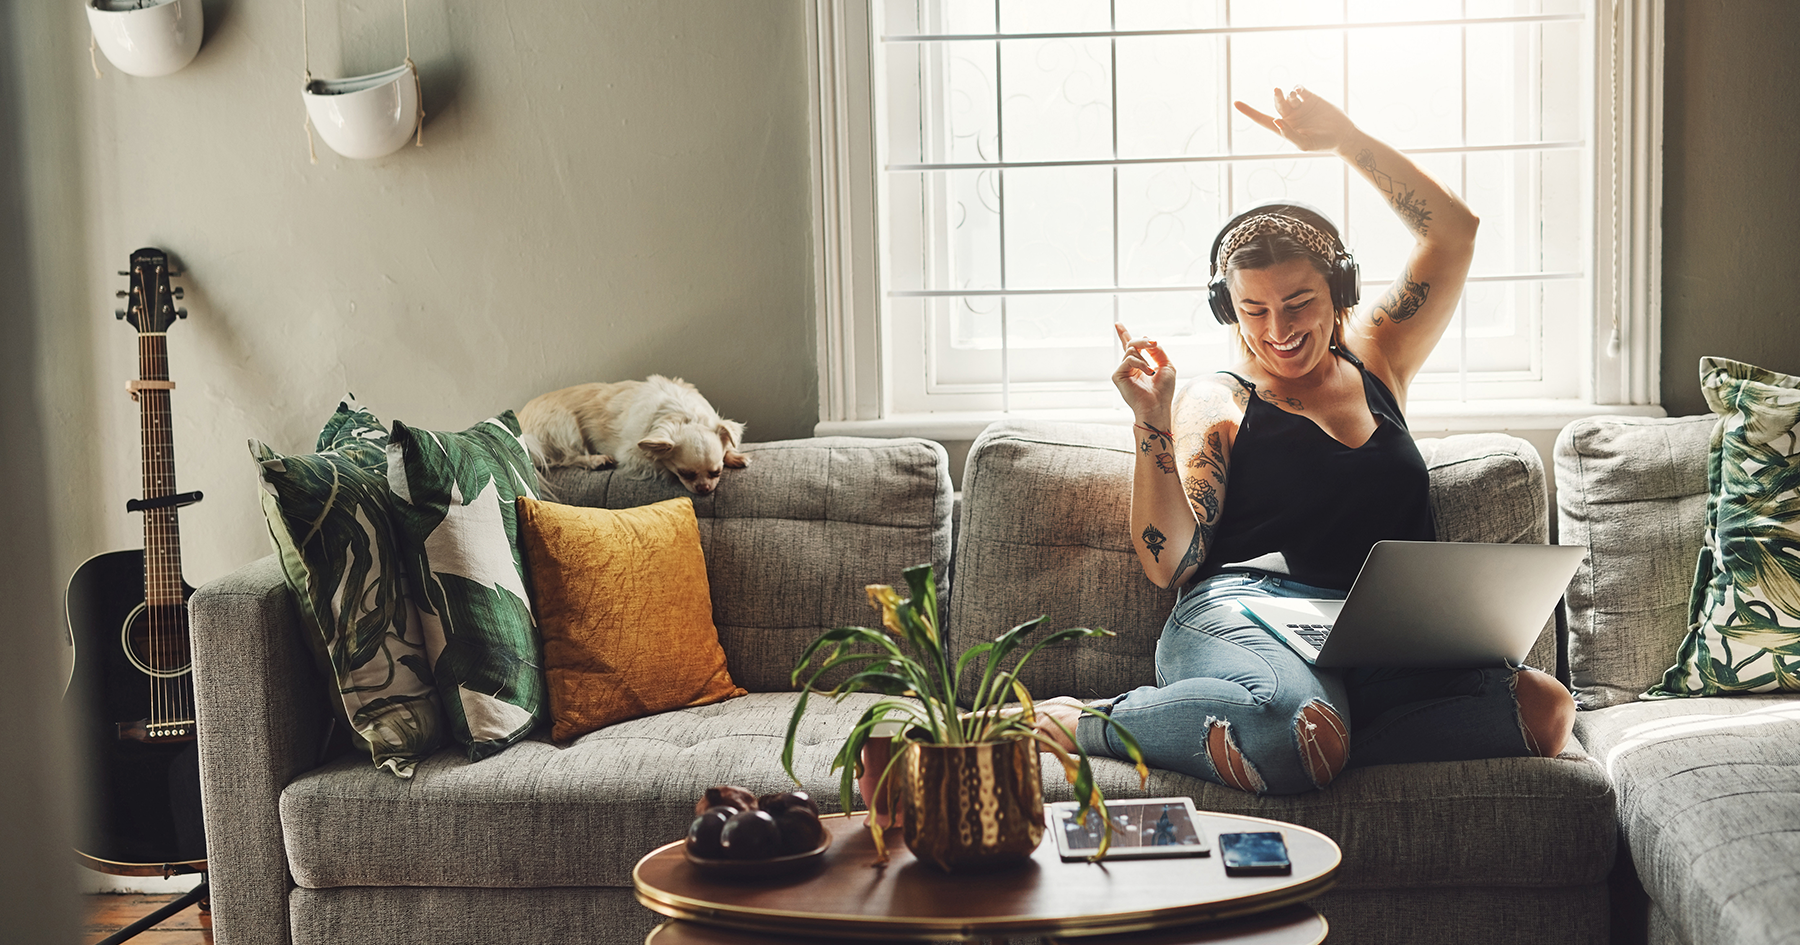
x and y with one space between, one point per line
1263 224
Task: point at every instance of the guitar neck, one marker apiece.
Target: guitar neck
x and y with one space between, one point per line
162 529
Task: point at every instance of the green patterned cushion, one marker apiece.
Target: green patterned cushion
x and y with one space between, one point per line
454 510
328 513
1744 615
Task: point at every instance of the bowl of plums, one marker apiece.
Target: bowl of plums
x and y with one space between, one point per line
736 833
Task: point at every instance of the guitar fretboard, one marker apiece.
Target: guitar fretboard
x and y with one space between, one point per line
162 531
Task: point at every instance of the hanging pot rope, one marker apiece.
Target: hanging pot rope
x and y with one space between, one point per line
418 92
307 78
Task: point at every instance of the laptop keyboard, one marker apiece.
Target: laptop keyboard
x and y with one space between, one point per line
1314 633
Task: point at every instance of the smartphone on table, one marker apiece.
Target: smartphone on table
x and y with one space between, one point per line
1254 854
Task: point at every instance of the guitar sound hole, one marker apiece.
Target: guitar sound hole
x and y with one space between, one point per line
156 640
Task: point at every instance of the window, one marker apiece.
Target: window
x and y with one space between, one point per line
1024 172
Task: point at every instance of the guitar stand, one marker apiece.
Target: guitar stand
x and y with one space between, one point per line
199 894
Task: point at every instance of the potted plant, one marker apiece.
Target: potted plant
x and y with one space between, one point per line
971 798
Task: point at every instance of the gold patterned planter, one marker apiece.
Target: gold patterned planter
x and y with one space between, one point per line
971 808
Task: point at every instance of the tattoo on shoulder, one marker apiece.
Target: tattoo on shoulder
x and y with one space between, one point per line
1205 451
1153 542
1404 199
1402 300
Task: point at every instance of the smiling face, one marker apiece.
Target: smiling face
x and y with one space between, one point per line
1285 318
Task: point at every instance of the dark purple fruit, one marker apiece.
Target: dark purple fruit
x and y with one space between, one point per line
726 795
751 835
703 833
800 830
776 803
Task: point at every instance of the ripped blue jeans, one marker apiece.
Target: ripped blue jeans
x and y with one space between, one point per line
1220 674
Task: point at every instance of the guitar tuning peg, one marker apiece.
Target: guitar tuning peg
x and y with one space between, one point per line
178 292
122 294
181 313
119 314
177 273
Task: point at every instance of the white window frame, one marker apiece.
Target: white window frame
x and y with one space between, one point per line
1622 353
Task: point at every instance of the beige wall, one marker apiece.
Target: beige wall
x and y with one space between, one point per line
607 190
1731 197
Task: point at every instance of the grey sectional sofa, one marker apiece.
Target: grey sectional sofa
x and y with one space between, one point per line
1708 789
537 843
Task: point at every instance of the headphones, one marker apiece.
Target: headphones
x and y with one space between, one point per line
1342 278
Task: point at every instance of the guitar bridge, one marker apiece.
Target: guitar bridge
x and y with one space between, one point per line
157 733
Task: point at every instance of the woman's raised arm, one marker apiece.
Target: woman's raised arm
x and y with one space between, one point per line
1398 330
1183 444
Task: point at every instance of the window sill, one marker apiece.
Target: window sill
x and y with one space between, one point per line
1429 418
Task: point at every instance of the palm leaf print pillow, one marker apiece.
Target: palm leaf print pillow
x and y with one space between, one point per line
455 513
1744 613
328 514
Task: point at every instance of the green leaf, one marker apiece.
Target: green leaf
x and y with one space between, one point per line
787 745
924 590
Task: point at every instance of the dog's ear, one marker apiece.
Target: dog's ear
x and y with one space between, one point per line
731 433
656 443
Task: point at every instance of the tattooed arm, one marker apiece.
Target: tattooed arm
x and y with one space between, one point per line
1176 492
1396 331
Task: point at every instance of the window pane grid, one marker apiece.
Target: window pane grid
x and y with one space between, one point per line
1043 83
1236 30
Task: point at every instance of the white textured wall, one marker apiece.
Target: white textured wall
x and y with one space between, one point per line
607 190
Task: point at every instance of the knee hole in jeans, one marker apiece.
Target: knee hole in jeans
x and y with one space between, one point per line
1546 712
1228 761
1323 740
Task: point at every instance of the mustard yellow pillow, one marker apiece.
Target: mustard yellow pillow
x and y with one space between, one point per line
625 612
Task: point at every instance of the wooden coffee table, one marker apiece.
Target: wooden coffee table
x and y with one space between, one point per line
1156 901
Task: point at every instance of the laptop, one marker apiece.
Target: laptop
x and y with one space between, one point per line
1439 604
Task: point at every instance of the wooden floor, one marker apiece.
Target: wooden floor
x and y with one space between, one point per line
107 913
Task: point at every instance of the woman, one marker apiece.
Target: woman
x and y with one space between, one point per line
1308 431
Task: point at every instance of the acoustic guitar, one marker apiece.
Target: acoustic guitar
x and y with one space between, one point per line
132 687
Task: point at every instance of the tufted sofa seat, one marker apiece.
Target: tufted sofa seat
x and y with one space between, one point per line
1709 788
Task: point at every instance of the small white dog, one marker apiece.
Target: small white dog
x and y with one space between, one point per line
644 427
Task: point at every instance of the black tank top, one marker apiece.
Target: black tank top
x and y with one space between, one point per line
1293 489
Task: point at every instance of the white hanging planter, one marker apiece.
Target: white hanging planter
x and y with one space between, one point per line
369 116
146 37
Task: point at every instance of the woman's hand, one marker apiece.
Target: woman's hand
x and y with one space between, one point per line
1307 120
1145 378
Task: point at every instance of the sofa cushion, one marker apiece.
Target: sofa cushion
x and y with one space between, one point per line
459 539
791 540
1744 614
1633 490
540 815
1500 822
1044 531
327 514
621 602
1709 796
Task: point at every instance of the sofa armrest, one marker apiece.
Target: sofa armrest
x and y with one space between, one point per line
260 712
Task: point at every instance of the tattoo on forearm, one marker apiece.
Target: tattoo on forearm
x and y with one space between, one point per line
1402 300
1165 462
1153 542
1404 199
